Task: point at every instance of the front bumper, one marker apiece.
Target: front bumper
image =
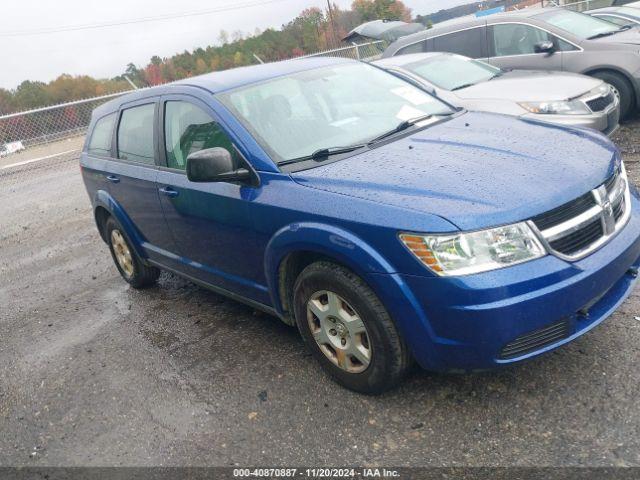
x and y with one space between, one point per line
606 121
465 323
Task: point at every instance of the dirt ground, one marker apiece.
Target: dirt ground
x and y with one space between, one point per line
95 373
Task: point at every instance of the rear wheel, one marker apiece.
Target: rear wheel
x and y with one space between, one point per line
348 329
622 90
130 266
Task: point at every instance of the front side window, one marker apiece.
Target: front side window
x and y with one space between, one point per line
579 24
517 39
100 143
189 129
135 134
452 72
469 43
339 106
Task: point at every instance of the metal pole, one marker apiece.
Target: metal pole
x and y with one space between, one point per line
130 82
357 50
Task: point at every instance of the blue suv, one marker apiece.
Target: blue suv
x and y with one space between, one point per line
386 225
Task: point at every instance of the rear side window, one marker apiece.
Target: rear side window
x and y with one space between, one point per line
100 143
419 47
189 129
470 43
135 134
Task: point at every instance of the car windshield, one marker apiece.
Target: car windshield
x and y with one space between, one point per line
331 107
579 24
632 12
452 72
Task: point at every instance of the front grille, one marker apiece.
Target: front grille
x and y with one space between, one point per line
536 340
612 180
565 212
577 228
600 104
618 209
579 240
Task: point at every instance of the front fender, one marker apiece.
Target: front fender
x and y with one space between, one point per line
103 199
356 254
334 242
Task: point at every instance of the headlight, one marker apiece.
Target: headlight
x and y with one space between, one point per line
571 107
466 253
601 91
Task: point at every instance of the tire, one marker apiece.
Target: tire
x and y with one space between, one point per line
130 266
359 307
625 91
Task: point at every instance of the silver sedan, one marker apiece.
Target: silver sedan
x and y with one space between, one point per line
556 97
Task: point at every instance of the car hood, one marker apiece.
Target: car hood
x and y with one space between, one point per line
528 86
631 36
475 170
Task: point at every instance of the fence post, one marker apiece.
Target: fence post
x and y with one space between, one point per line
357 50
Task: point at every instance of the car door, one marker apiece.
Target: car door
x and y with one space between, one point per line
132 175
512 45
210 222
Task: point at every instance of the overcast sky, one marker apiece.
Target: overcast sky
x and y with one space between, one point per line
105 52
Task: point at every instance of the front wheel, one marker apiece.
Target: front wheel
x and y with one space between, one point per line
348 329
621 88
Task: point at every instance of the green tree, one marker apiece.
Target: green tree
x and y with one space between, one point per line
31 95
6 102
381 10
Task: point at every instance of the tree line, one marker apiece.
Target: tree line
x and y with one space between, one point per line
313 30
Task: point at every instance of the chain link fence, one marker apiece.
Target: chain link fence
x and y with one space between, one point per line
51 135
43 137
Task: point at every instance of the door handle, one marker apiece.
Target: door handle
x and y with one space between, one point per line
169 192
113 179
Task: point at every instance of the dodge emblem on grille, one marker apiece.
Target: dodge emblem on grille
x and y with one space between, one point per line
608 217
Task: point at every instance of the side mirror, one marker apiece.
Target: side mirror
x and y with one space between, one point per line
544 47
214 165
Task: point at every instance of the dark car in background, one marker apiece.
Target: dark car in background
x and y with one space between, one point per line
541 39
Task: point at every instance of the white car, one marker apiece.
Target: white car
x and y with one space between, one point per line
557 97
10 148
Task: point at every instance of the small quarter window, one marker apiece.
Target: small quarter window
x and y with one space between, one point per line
470 43
189 129
100 143
135 134
419 47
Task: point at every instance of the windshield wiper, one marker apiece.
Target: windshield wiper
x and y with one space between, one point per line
324 153
624 28
460 87
401 127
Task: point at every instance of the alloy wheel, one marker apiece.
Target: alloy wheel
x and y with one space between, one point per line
339 331
122 253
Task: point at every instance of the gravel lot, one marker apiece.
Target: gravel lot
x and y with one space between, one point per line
95 373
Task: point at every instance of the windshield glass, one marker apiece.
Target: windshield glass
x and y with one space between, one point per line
338 106
632 12
453 71
578 24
